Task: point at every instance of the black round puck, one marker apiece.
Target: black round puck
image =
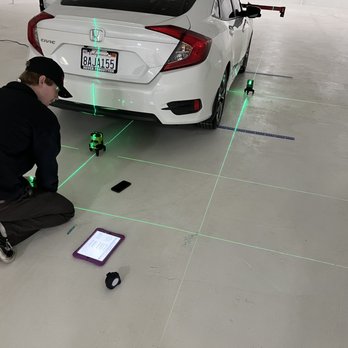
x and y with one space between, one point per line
112 280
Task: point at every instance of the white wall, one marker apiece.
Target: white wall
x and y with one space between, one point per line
317 3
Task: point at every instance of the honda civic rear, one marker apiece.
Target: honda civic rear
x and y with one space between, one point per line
154 58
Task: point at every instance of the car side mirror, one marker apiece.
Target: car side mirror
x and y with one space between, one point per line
251 12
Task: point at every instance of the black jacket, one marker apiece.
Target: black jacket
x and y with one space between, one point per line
29 135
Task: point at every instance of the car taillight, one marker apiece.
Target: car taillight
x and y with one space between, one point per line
33 37
192 49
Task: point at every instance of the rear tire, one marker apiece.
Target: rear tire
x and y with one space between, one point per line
218 107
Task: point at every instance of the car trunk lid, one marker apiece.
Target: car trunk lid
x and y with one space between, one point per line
107 44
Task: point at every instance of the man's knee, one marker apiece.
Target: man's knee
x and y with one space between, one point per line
61 205
70 212
68 209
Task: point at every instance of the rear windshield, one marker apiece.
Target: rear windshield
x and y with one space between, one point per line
171 8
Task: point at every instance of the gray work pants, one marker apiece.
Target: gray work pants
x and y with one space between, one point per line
28 214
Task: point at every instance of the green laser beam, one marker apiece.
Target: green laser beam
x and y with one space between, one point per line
241 114
178 291
119 133
301 101
70 147
91 113
97 71
93 99
165 165
316 194
250 246
205 213
85 163
75 172
134 220
95 25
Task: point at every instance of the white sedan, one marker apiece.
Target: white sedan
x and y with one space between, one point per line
171 60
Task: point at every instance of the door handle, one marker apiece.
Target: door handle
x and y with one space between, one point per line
231 28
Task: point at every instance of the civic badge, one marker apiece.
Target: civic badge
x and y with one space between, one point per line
96 35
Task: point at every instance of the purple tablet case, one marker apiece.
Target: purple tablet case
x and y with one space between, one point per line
90 259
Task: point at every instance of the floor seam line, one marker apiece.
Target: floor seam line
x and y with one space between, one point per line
135 220
223 163
234 132
273 251
284 188
178 292
166 166
199 234
292 99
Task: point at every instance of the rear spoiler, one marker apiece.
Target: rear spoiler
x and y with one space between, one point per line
281 9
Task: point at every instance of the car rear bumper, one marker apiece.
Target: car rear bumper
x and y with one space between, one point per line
97 110
148 101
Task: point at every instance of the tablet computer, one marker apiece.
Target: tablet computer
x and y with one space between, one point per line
99 246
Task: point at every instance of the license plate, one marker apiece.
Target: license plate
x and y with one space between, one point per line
99 60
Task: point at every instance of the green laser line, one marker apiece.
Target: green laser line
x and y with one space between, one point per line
75 172
194 246
93 99
241 114
205 213
236 179
189 261
305 101
165 165
237 92
97 71
239 244
119 133
288 99
178 291
258 65
70 147
91 113
251 246
95 25
84 164
134 220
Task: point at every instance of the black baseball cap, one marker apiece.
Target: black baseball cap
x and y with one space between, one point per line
49 68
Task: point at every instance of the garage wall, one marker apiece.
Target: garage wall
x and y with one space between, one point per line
318 3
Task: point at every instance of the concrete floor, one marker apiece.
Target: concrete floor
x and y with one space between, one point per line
234 239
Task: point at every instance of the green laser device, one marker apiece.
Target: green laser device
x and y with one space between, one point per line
32 181
97 142
249 87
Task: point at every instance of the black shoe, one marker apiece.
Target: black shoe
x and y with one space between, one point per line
7 253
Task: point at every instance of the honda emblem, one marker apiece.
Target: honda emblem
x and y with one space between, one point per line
96 35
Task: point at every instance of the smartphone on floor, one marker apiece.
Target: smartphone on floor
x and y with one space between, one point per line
120 186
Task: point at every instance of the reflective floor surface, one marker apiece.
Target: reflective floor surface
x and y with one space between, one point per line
235 238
